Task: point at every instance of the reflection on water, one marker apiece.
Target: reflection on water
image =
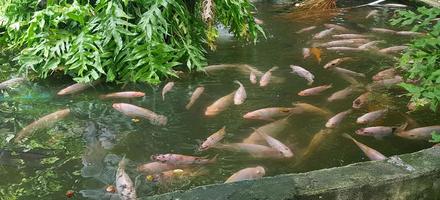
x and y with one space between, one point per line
104 135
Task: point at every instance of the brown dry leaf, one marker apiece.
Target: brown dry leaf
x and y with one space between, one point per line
317 53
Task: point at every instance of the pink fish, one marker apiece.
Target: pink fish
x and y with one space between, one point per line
220 105
376 131
315 90
253 77
250 173
368 151
213 139
362 100
75 88
240 94
168 87
136 111
179 159
122 95
270 113
255 150
155 167
265 79
276 144
337 119
422 133
195 95
371 116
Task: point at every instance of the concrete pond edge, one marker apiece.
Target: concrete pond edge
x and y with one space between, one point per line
407 177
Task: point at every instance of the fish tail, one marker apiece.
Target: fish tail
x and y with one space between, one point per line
273 68
122 163
238 82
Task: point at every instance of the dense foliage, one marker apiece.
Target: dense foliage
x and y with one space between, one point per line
122 40
422 61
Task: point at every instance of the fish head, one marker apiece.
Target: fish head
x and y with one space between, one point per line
303 93
330 124
357 103
260 170
210 111
159 157
251 115
287 152
361 121
117 106
139 94
362 131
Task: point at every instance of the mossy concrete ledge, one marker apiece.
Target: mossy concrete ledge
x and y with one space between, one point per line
414 176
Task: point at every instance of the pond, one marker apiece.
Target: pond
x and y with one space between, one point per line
81 152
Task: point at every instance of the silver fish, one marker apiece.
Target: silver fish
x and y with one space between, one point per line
195 95
303 73
323 33
371 116
168 87
346 42
124 185
337 119
395 5
370 45
250 173
240 94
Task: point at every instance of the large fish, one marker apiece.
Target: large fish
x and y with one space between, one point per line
342 94
41 123
276 144
265 79
393 49
220 105
179 159
323 33
136 111
303 73
337 27
316 142
122 95
315 90
155 167
362 100
371 116
11 82
124 185
371 153
255 150
195 95
250 173
335 62
337 119
213 139
168 87
307 29
422 133
240 94
376 131
347 72
75 88
270 113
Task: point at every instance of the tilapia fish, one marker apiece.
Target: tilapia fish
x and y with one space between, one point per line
371 116
255 150
250 173
376 131
337 119
371 153
276 144
11 82
136 111
240 94
75 88
122 95
303 73
307 29
179 159
220 105
265 79
213 139
323 33
124 185
195 95
422 133
41 123
314 91
155 167
271 113
335 62
168 87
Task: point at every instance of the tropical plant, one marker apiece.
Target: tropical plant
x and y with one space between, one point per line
122 40
422 61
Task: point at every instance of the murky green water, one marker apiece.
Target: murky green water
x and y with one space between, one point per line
53 163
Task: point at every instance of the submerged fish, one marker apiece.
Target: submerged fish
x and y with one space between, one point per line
316 142
271 113
373 13
41 123
337 27
383 30
265 79
343 43
385 74
348 72
306 52
124 185
337 119
220 105
309 108
168 87
315 90
155 167
75 88
323 33
385 83
349 49
11 82
252 77
303 73
362 100
250 173
243 68
240 94
409 33
195 95
276 144
179 159
317 53
394 49
136 111
351 36
371 153
376 131
422 133
395 5
335 62
122 95
213 139
342 94
370 45
255 150
273 129
307 29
